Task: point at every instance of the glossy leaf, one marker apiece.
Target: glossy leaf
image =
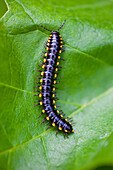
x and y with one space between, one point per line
85 91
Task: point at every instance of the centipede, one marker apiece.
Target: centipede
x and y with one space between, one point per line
47 80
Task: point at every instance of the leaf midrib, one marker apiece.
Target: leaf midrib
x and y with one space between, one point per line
25 91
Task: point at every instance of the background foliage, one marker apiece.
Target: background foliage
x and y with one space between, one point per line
85 92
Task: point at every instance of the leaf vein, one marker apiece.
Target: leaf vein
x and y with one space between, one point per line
8 161
7 85
88 55
84 53
25 10
48 164
74 113
5 133
92 101
18 146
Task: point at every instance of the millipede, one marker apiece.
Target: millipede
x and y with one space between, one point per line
48 79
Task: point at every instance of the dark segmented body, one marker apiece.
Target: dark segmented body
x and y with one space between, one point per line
48 80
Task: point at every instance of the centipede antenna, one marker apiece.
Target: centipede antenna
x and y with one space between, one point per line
45 28
62 25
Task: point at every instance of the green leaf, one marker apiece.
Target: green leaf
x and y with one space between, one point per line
85 92
3 8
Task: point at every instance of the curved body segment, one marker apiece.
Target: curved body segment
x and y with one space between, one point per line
47 81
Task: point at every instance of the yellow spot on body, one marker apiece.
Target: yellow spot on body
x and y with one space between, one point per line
57 111
65 130
48 40
72 130
58 57
47 48
54 82
42 73
53 88
61 115
48 44
59 51
44 60
50 36
54 106
53 124
66 120
57 63
43 66
41 80
56 69
55 75
60 46
60 128
40 87
45 54
47 118
41 103
59 35
43 111
60 38
61 42
70 123
53 101
53 95
40 95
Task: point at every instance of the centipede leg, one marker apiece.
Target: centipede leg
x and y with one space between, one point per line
48 127
43 121
56 132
